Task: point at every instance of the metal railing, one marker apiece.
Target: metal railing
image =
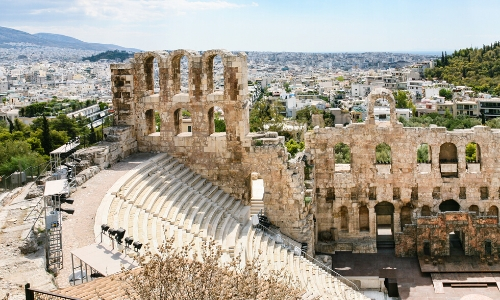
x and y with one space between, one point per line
22 177
34 294
296 247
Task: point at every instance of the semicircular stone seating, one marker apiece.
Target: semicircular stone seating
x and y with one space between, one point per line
161 198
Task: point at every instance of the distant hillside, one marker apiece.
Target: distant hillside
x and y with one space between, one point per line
478 68
8 35
112 55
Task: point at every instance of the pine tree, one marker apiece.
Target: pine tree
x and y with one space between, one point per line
46 139
92 137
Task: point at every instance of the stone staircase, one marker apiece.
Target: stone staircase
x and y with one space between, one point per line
162 198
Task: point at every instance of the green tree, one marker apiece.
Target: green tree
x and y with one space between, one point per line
92 136
447 94
423 154
342 154
401 99
266 113
383 154
470 152
64 123
294 147
46 139
220 124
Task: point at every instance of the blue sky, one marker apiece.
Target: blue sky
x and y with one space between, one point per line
264 25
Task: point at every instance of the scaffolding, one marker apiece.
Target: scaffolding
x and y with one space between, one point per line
55 192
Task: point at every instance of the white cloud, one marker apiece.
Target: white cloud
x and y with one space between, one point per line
137 10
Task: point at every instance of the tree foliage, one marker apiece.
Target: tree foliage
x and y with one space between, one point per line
446 93
470 152
423 154
266 113
220 124
342 154
110 54
383 154
478 68
176 274
294 147
447 120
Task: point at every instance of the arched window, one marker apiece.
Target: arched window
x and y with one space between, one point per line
152 72
473 157
342 157
183 122
472 153
424 154
493 211
153 122
180 74
217 75
426 211
344 219
448 160
364 219
217 123
383 154
474 208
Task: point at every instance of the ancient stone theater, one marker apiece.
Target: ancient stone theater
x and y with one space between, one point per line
428 206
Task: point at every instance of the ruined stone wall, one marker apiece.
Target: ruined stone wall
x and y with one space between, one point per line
474 232
227 159
408 185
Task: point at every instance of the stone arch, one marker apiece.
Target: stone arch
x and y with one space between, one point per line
216 120
448 160
150 122
148 59
449 205
364 218
208 63
493 211
377 94
448 153
181 122
175 69
344 218
474 208
425 211
405 217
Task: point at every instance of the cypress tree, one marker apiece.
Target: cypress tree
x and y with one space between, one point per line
46 139
92 137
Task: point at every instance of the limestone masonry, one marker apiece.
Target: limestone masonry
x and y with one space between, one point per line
330 206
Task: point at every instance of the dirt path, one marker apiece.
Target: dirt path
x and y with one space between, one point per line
78 229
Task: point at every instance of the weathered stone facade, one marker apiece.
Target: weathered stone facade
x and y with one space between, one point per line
474 232
227 159
311 197
348 197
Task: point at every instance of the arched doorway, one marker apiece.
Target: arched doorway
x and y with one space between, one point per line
474 208
385 224
449 205
493 211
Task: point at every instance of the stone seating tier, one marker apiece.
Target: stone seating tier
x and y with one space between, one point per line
162 198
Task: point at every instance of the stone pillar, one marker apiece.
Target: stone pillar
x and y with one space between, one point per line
354 219
396 220
373 221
